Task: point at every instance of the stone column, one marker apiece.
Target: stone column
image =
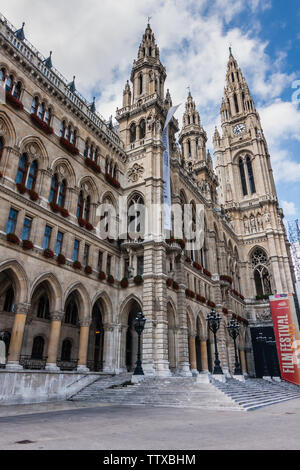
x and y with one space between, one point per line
21 311
56 319
204 359
83 345
192 351
108 349
243 361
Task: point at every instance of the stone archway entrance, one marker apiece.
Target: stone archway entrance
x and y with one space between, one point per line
129 337
96 339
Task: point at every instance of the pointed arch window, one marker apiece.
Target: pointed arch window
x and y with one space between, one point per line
22 170
243 177
189 149
34 106
2 74
17 91
87 209
132 133
9 84
54 189
80 204
62 194
140 84
236 103
142 129
136 219
31 180
250 174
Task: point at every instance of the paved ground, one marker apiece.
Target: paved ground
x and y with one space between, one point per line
105 427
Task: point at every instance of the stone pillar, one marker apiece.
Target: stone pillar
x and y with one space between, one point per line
243 361
204 359
83 345
21 311
192 351
108 349
56 319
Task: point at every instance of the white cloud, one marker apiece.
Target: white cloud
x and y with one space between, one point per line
97 42
289 208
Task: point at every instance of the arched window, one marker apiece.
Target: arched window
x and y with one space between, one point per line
43 309
22 170
87 209
142 129
71 315
86 149
47 116
53 190
250 174
141 84
236 103
62 194
41 111
189 149
32 176
17 91
2 74
9 300
62 129
132 133
35 105
243 177
66 350
1 147
259 261
38 348
80 204
9 84
136 215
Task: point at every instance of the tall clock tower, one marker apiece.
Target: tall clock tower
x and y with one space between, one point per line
247 190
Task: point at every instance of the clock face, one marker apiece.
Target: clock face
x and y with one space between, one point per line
239 129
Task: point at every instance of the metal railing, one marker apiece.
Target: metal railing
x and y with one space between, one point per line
31 363
67 365
95 366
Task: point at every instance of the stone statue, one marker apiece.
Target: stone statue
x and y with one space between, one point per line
252 224
246 225
267 217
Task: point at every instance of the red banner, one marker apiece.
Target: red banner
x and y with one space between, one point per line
287 336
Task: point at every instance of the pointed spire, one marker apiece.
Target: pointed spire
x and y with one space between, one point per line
92 106
72 86
230 52
168 100
20 33
48 61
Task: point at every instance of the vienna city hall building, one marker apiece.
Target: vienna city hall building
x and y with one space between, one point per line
68 296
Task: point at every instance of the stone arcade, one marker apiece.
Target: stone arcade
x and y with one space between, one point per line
67 297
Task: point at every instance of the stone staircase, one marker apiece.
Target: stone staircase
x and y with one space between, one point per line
185 392
256 393
181 392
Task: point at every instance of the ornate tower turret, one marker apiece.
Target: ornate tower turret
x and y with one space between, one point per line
193 137
148 74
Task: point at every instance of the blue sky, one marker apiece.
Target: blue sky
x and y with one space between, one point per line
97 42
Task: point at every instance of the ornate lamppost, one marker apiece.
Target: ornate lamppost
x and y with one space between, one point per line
233 328
262 340
139 325
213 320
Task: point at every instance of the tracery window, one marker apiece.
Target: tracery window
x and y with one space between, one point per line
250 174
71 315
136 215
259 261
22 170
43 309
243 177
41 110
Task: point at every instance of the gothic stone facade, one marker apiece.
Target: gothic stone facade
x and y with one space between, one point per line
62 302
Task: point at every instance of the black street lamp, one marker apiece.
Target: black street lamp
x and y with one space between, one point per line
262 340
233 328
139 325
213 321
